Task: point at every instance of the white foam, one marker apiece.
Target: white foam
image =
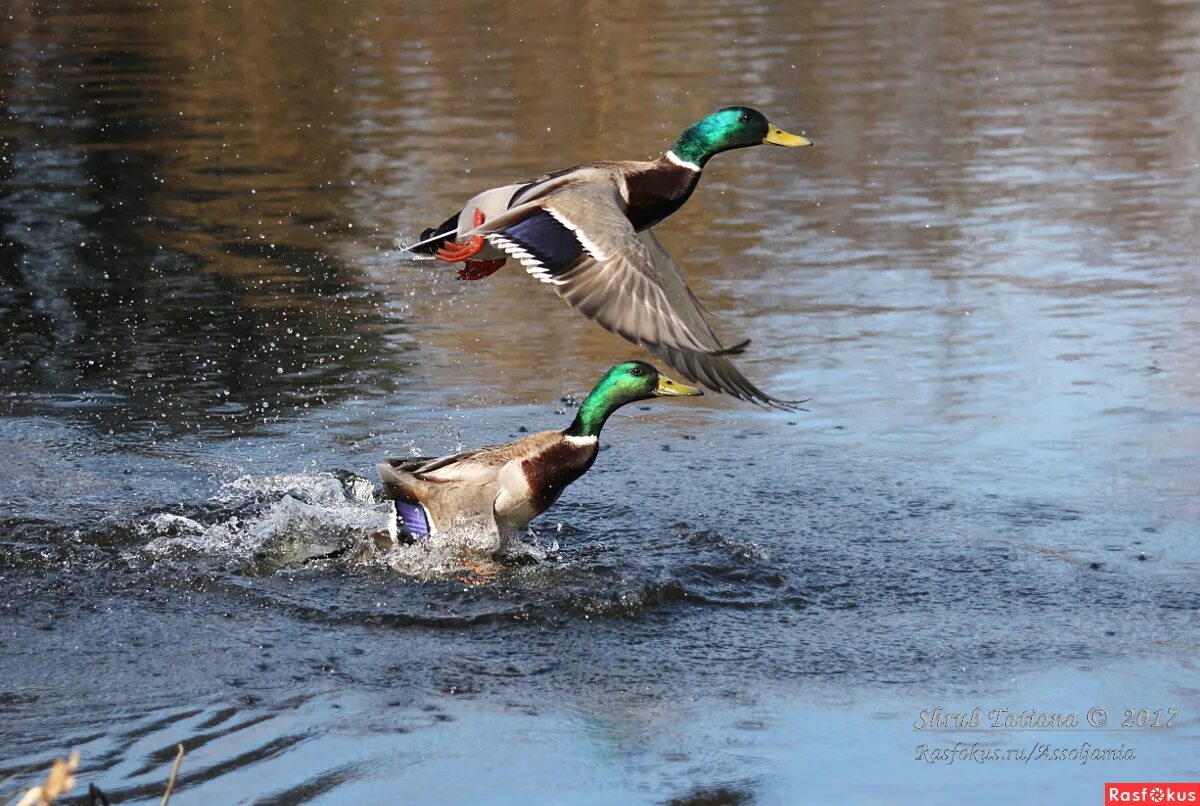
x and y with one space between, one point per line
312 514
290 518
319 488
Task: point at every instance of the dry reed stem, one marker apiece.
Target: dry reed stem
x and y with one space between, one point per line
174 775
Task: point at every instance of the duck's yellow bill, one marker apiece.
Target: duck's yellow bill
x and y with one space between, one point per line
669 388
778 137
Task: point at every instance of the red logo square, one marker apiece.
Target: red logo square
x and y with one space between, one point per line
1142 792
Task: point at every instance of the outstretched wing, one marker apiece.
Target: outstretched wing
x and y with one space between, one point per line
714 372
578 240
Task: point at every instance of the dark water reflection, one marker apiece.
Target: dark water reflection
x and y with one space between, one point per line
984 275
163 265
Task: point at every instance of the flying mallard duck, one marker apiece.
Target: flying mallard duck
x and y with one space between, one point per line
504 487
587 232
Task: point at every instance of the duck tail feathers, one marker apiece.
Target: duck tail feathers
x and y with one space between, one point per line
433 238
397 481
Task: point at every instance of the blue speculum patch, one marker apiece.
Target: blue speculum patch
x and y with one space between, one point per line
543 236
411 519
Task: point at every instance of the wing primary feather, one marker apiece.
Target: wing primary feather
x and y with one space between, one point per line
736 349
719 374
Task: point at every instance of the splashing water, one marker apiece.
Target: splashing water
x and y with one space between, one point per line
293 519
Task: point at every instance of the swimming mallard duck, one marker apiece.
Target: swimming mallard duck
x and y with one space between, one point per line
587 232
503 487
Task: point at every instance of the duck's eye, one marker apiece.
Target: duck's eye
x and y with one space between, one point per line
637 372
744 118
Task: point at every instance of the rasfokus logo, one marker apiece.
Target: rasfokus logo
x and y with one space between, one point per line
1143 792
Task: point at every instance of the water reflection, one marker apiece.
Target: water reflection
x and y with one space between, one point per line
182 158
984 274
167 255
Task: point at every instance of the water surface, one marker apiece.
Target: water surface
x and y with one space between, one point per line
984 276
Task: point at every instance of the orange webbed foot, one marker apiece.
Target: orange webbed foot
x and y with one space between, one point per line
454 252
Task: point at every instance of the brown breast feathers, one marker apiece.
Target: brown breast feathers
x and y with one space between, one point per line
657 192
550 471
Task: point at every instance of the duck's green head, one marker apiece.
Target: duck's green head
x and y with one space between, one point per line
625 383
733 127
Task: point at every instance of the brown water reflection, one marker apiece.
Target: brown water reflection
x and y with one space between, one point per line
994 237
275 139
1000 211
